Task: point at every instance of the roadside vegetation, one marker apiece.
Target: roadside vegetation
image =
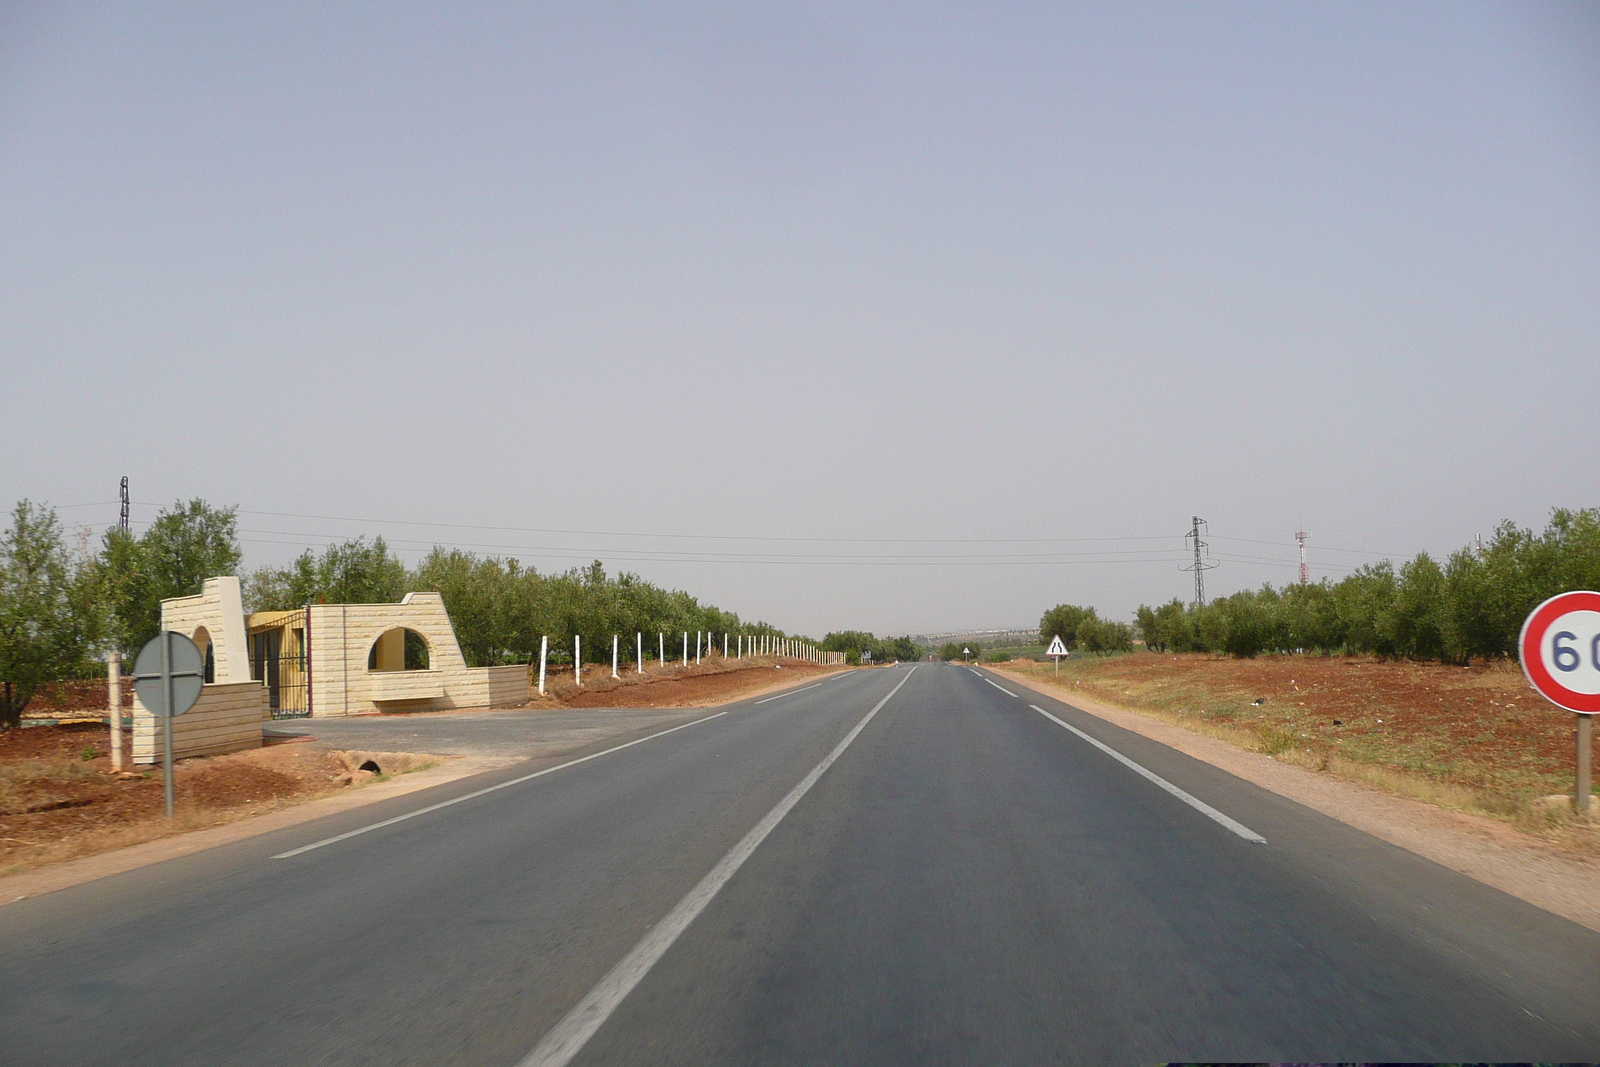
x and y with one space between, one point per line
1081 628
859 647
66 600
1469 608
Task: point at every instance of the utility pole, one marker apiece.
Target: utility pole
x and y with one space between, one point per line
1199 566
1305 575
114 666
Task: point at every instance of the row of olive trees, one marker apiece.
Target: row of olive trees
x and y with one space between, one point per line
1471 606
1080 627
858 645
500 609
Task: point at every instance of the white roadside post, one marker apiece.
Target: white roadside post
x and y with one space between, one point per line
544 654
661 648
697 636
686 648
724 644
1560 651
639 650
114 705
614 673
577 659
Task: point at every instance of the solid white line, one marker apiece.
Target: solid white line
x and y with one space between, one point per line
1194 802
1002 688
575 1029
492 788
790 693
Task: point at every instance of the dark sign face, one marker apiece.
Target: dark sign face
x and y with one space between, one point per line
185 665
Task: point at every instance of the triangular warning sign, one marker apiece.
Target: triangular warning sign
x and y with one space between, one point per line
1056 647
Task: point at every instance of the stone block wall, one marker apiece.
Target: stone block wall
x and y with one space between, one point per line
226 718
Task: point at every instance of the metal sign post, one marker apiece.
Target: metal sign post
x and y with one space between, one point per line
1560 649
167 677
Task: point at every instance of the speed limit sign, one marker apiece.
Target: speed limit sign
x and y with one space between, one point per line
1560 648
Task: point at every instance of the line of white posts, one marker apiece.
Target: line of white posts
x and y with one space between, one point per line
742 646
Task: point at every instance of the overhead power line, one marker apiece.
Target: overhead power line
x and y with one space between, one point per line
1159 552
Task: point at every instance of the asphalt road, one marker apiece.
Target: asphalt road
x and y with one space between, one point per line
967 882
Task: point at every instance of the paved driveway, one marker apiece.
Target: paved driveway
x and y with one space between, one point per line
500 735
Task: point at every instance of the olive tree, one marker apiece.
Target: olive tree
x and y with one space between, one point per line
49 609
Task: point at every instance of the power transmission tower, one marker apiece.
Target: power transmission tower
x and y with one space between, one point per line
1305 575
1199 566
124 521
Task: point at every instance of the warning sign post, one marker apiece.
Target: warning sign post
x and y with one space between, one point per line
1056 649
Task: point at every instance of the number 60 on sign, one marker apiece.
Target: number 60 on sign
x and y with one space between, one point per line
1560 648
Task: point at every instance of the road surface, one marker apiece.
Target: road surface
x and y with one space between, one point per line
893 866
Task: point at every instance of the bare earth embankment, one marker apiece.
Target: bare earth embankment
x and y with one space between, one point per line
674 685
59 798
1455 764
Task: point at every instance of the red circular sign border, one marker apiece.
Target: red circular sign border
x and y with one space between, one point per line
1532 637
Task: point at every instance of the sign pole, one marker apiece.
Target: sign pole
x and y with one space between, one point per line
168 678
167 705
1585 754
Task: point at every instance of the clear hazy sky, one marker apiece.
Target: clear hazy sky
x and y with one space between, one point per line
883 281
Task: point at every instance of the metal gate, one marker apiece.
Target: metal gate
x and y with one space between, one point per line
280 656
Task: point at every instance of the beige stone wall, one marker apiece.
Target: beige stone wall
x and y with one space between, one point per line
343 635
508 686
493 687
226 718
219 608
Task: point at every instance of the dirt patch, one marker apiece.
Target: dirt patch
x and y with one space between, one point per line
712 681
59 798
76 695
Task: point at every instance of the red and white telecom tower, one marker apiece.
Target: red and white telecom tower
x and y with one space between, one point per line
1305 574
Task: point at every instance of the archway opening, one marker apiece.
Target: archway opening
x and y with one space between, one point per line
202 639
398 649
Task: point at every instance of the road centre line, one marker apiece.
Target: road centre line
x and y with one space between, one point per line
503 785
567 1038
998 686
1194 802
790 693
